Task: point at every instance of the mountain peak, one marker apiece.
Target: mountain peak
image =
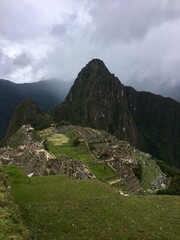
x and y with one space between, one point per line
94 67
93 79
96 62
97 99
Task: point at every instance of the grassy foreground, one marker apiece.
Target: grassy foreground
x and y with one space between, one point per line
11 225
56 207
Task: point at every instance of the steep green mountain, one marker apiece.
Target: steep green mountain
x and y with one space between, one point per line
46 94
148 121
27 112
98 99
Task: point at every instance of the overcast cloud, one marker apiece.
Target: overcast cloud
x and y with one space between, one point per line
139 41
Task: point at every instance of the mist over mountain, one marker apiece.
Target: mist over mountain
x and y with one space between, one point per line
164 89
173 92
46 94
148 121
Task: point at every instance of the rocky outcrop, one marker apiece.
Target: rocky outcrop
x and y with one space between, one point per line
159 183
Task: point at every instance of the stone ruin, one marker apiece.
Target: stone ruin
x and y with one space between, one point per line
106 148
34 160
103 147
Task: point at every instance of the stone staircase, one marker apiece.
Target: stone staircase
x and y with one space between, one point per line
133 186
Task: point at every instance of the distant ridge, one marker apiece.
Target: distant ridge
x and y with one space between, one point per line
46 94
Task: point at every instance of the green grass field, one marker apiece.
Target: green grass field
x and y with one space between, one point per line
53 138
150 169
11 225
101 171
56 207
149 173
79 152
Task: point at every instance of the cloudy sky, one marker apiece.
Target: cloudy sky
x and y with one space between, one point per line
138 40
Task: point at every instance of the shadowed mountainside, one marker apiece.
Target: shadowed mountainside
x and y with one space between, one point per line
27 112
158 121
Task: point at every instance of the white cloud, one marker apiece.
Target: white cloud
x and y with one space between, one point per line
127 20
138 40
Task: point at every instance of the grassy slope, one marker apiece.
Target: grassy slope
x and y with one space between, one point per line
150 169
56 207
11 225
